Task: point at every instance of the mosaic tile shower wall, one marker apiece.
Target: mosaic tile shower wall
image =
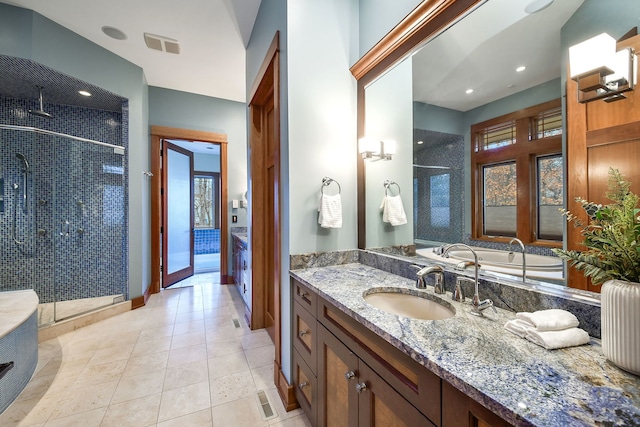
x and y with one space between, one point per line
206 241
438 176
73 226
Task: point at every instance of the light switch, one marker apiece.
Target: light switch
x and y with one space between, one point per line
234 204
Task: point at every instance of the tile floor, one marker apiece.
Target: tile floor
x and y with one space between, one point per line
178 361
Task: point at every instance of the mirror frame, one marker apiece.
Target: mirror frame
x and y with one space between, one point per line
428 19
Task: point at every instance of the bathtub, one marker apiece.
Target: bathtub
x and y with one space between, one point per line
538 266
18 343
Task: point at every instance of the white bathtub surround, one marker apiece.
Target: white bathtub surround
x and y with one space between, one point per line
620 324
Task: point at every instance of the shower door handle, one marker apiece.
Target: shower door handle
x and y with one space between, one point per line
66 229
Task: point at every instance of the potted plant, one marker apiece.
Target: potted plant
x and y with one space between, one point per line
612 258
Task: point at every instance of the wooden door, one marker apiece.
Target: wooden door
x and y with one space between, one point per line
337 379
271 203
177 219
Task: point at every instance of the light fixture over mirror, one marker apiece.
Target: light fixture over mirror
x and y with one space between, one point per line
373 149
601 71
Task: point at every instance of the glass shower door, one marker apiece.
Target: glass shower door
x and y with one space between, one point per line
88 226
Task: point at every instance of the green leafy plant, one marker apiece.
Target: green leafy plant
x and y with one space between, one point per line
611 237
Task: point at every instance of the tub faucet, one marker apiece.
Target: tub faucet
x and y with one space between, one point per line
438 278
524 260
477 306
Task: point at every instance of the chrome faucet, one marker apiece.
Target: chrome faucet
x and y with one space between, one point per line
477 306
438 278
524 260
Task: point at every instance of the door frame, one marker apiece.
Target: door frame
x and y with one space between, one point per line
158 133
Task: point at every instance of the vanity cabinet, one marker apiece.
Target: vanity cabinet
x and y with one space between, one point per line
461 411
241 273
344 375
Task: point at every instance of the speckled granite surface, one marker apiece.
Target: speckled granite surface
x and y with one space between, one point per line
522 382
241 236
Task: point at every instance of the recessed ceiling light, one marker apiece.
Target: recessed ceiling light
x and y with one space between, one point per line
537 6
521 68
420 142
469 91
114 33
84 93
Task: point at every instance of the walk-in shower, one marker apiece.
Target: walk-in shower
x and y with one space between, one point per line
67 220
40 112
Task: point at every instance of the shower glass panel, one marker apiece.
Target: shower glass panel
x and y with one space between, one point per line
88 226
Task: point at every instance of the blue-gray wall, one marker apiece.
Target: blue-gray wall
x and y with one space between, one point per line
28 35
378 17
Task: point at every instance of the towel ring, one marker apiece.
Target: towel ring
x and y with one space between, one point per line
326 181
389 183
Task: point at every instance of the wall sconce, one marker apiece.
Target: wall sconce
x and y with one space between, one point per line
373 149
601 71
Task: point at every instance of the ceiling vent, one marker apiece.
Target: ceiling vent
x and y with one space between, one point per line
161 43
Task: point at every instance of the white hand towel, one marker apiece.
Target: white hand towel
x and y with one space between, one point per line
330 211
393 210
550 320
558 339
518 327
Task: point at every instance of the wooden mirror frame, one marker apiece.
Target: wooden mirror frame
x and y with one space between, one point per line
428 19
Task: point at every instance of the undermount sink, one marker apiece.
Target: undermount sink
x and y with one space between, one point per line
413 305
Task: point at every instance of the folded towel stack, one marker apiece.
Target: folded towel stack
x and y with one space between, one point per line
393 210
550 329
330 211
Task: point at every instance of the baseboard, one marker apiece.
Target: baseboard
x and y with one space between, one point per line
286 392
227 280
141 301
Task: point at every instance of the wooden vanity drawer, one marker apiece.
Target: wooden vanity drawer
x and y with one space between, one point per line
305 384
305 296
304 339
413 381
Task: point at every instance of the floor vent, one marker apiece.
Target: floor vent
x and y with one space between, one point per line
265 406
236 323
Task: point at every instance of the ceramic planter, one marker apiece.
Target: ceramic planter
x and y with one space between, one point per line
620 318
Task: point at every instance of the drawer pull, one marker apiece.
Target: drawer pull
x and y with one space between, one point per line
303 385
303 294
301 334
360 387
350 375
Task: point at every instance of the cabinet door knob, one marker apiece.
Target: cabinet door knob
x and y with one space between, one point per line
303 294
303 385
350 375
360 387
303 333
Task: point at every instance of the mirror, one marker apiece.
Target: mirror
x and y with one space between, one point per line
423 98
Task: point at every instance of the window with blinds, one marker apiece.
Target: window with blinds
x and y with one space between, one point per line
496 136
546 124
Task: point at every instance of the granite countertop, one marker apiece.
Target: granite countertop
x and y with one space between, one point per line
525 384
15 308
242 236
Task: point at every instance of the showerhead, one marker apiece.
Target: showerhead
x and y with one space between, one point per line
25 162
40 112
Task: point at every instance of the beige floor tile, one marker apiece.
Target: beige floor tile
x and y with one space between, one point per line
184 400
231 387
187 340
188 327
187 355
195 419
260 356
258 338
224 347
297 421
139 412
278 407
65 362
29 412
147 363
263 377
221 333
228 364
139 386
89 418
98 374
185 374
239 412
156 332
111 353
84 399
151 346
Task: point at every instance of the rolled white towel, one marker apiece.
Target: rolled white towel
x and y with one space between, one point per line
518 327
549 320
552 340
